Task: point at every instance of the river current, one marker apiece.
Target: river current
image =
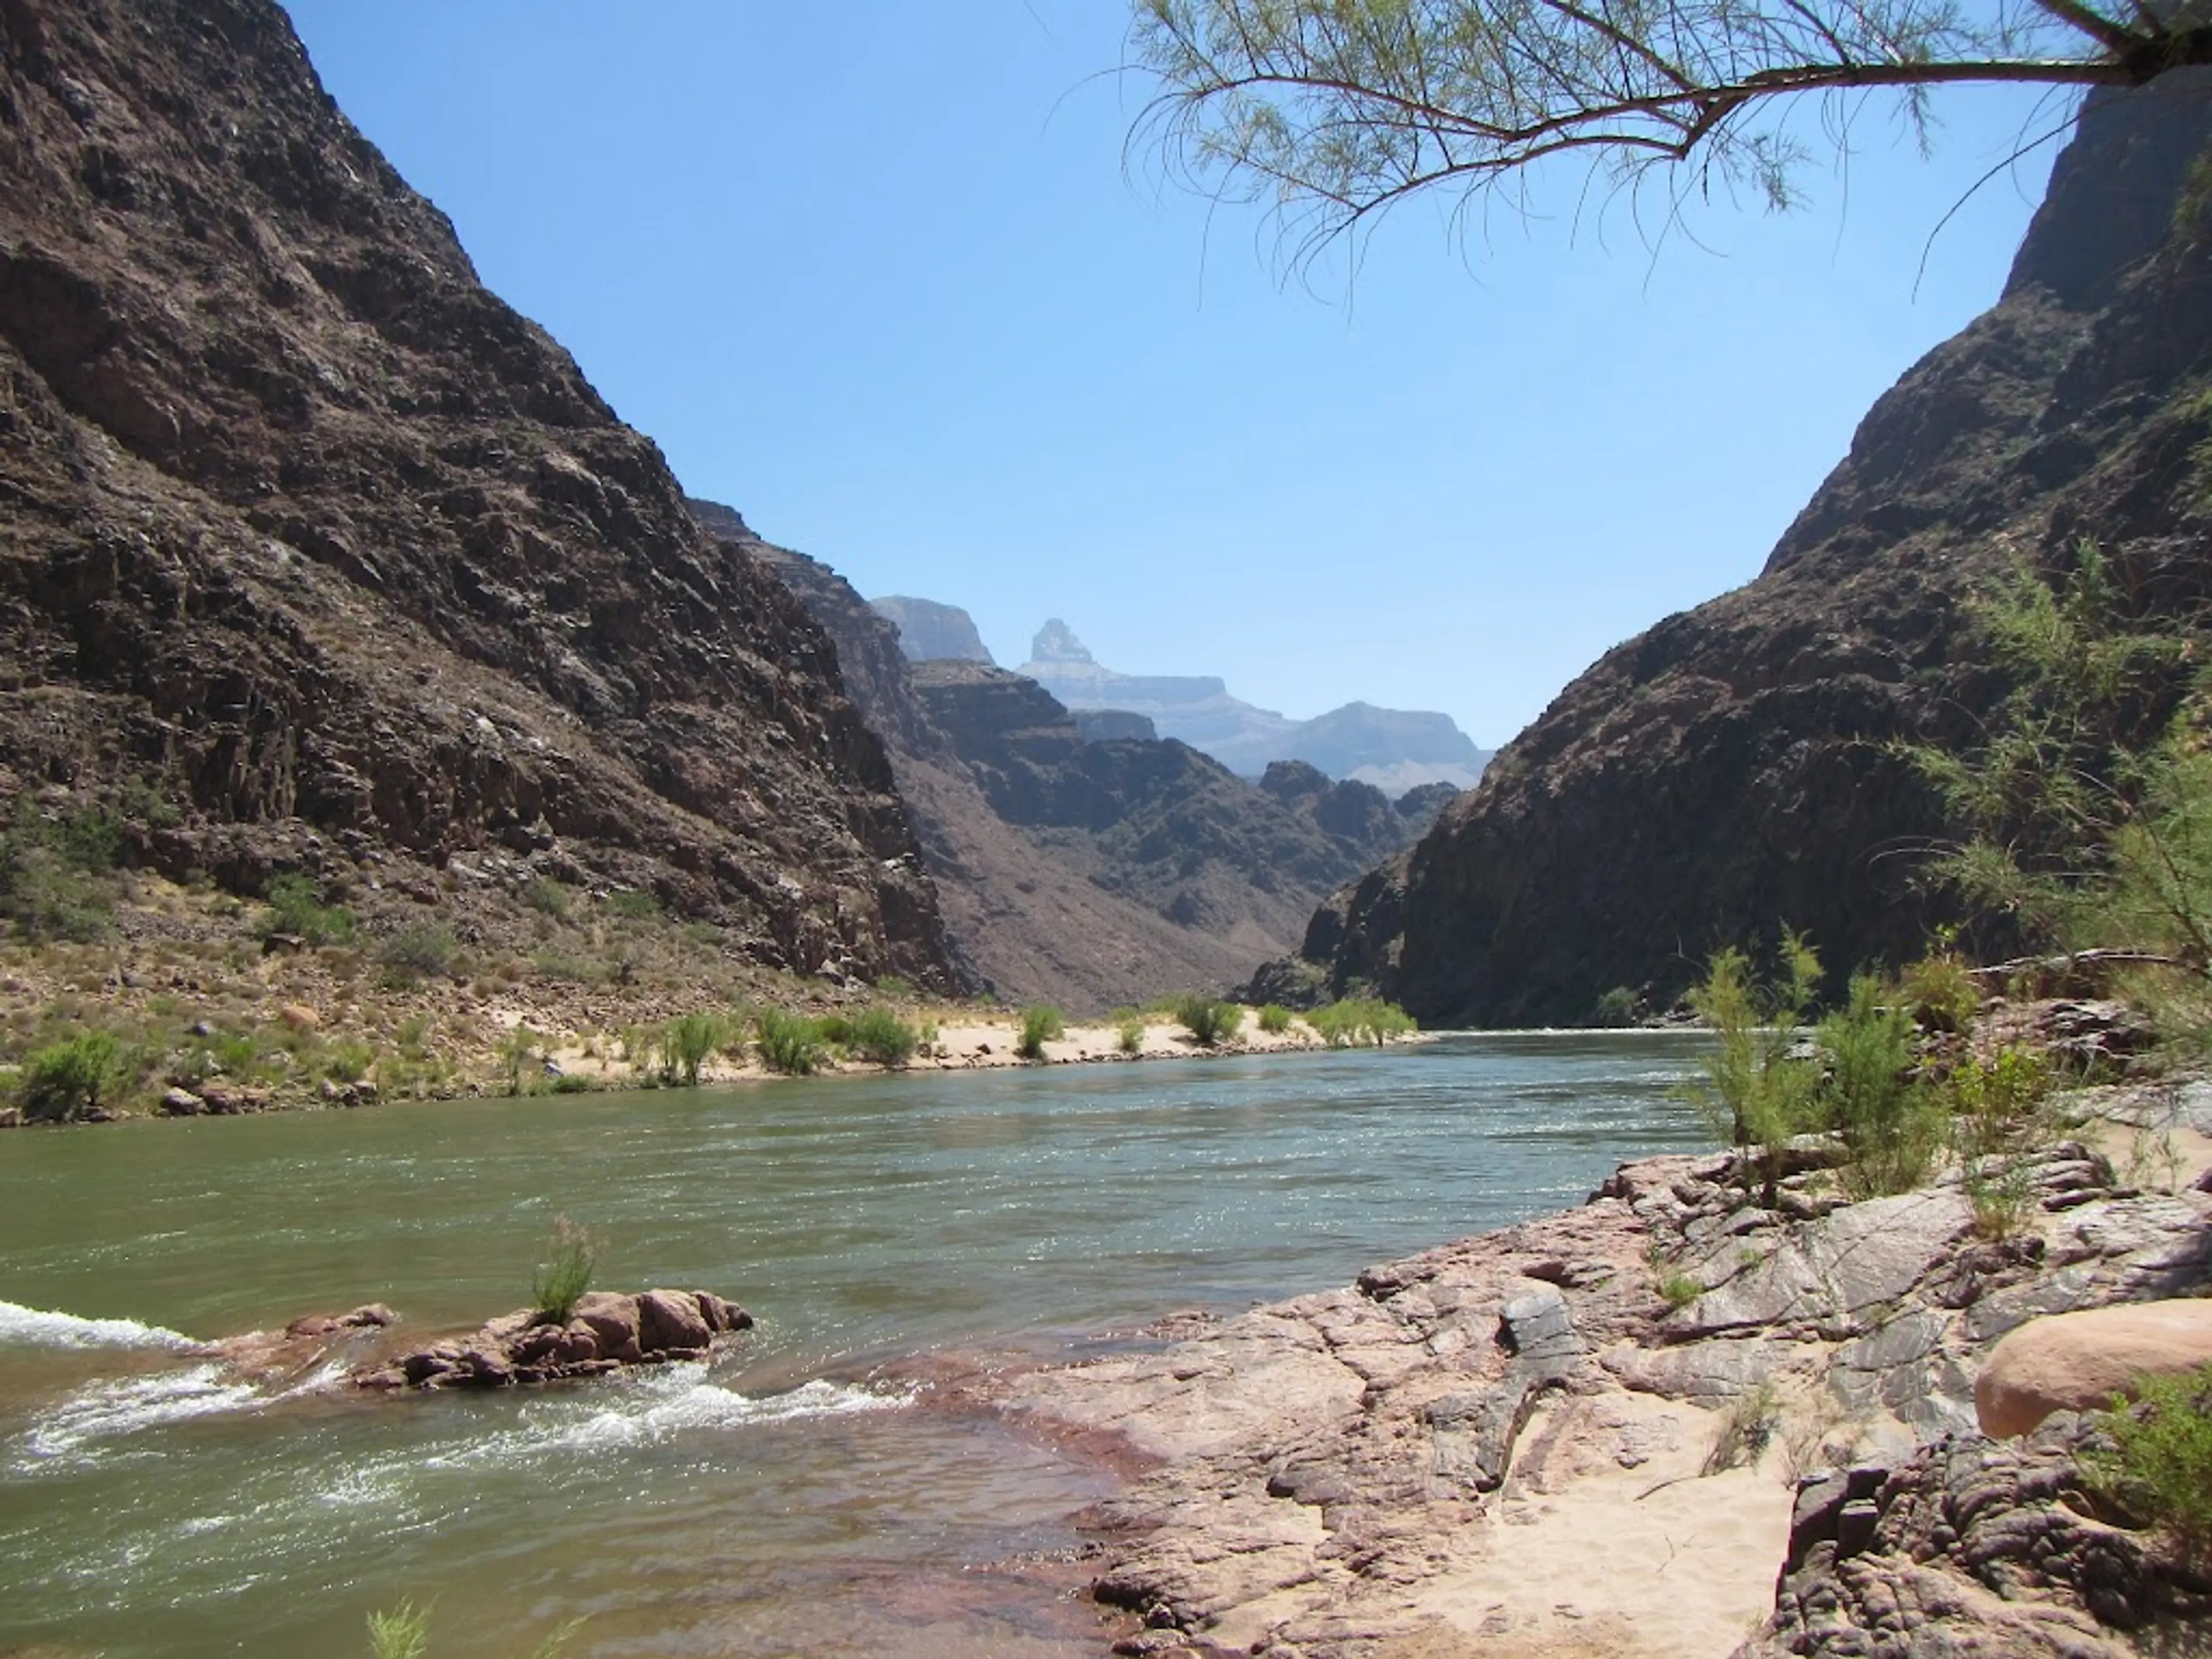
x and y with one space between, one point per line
789 1498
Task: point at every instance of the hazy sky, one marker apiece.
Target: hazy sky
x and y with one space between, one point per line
875 274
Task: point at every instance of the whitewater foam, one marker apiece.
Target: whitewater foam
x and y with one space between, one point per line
111 1410
39 1327
655 1408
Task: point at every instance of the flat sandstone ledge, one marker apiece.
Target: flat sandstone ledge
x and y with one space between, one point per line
1514 1445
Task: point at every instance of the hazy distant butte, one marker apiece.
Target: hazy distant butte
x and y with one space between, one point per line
1395 749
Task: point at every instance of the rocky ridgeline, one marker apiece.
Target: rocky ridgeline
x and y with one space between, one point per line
1527 1434
606 1331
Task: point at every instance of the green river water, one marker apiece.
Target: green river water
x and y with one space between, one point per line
787 1499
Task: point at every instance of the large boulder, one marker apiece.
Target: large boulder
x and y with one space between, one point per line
2085 1361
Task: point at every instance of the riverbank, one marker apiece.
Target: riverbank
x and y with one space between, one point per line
212 1010
1582 1435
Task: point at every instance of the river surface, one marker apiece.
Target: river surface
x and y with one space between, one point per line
787 1499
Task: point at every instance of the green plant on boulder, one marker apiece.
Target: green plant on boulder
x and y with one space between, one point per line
1888 1119
572 1258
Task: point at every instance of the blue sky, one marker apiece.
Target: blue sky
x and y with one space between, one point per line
876 274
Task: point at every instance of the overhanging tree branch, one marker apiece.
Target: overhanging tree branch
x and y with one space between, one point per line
1336 108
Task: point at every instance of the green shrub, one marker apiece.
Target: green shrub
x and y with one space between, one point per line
296 906
1040 1025
1747 1423
2159 1466
1755 1091
789 1043
1939 993
1209 1021
1274 1020
685 1044
1679 1290
519 1053
1617 1007
421 951
2002 1193
634 904
1999 1100
54 871
348 1061
1360 1020
1889 1120
1129 1033
879 1036
547 897
72 1078
571 1260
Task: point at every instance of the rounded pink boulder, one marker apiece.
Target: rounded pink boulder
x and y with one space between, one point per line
2085 1361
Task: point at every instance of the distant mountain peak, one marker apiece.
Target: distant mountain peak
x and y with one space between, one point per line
1057 642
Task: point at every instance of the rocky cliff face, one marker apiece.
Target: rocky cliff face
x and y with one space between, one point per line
1731 767
309 531
928 631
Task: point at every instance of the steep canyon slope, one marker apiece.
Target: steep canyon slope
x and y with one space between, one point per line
1079 867
1734 767
311 537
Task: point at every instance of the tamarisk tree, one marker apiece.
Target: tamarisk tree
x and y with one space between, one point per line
1335 109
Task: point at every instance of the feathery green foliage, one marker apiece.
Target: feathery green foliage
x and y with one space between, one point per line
1888 1118
879 1036
402 1633
571 1261
686 1044
1210 1021
790 1044
1040 1025
1274 1018
1360 1021
1756 1092
72 1078
2159 1466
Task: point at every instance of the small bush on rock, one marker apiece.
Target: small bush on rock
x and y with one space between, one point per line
421 953
1756 1092
1888 1117
571 1261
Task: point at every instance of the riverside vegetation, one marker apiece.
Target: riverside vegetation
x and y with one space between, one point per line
127 992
